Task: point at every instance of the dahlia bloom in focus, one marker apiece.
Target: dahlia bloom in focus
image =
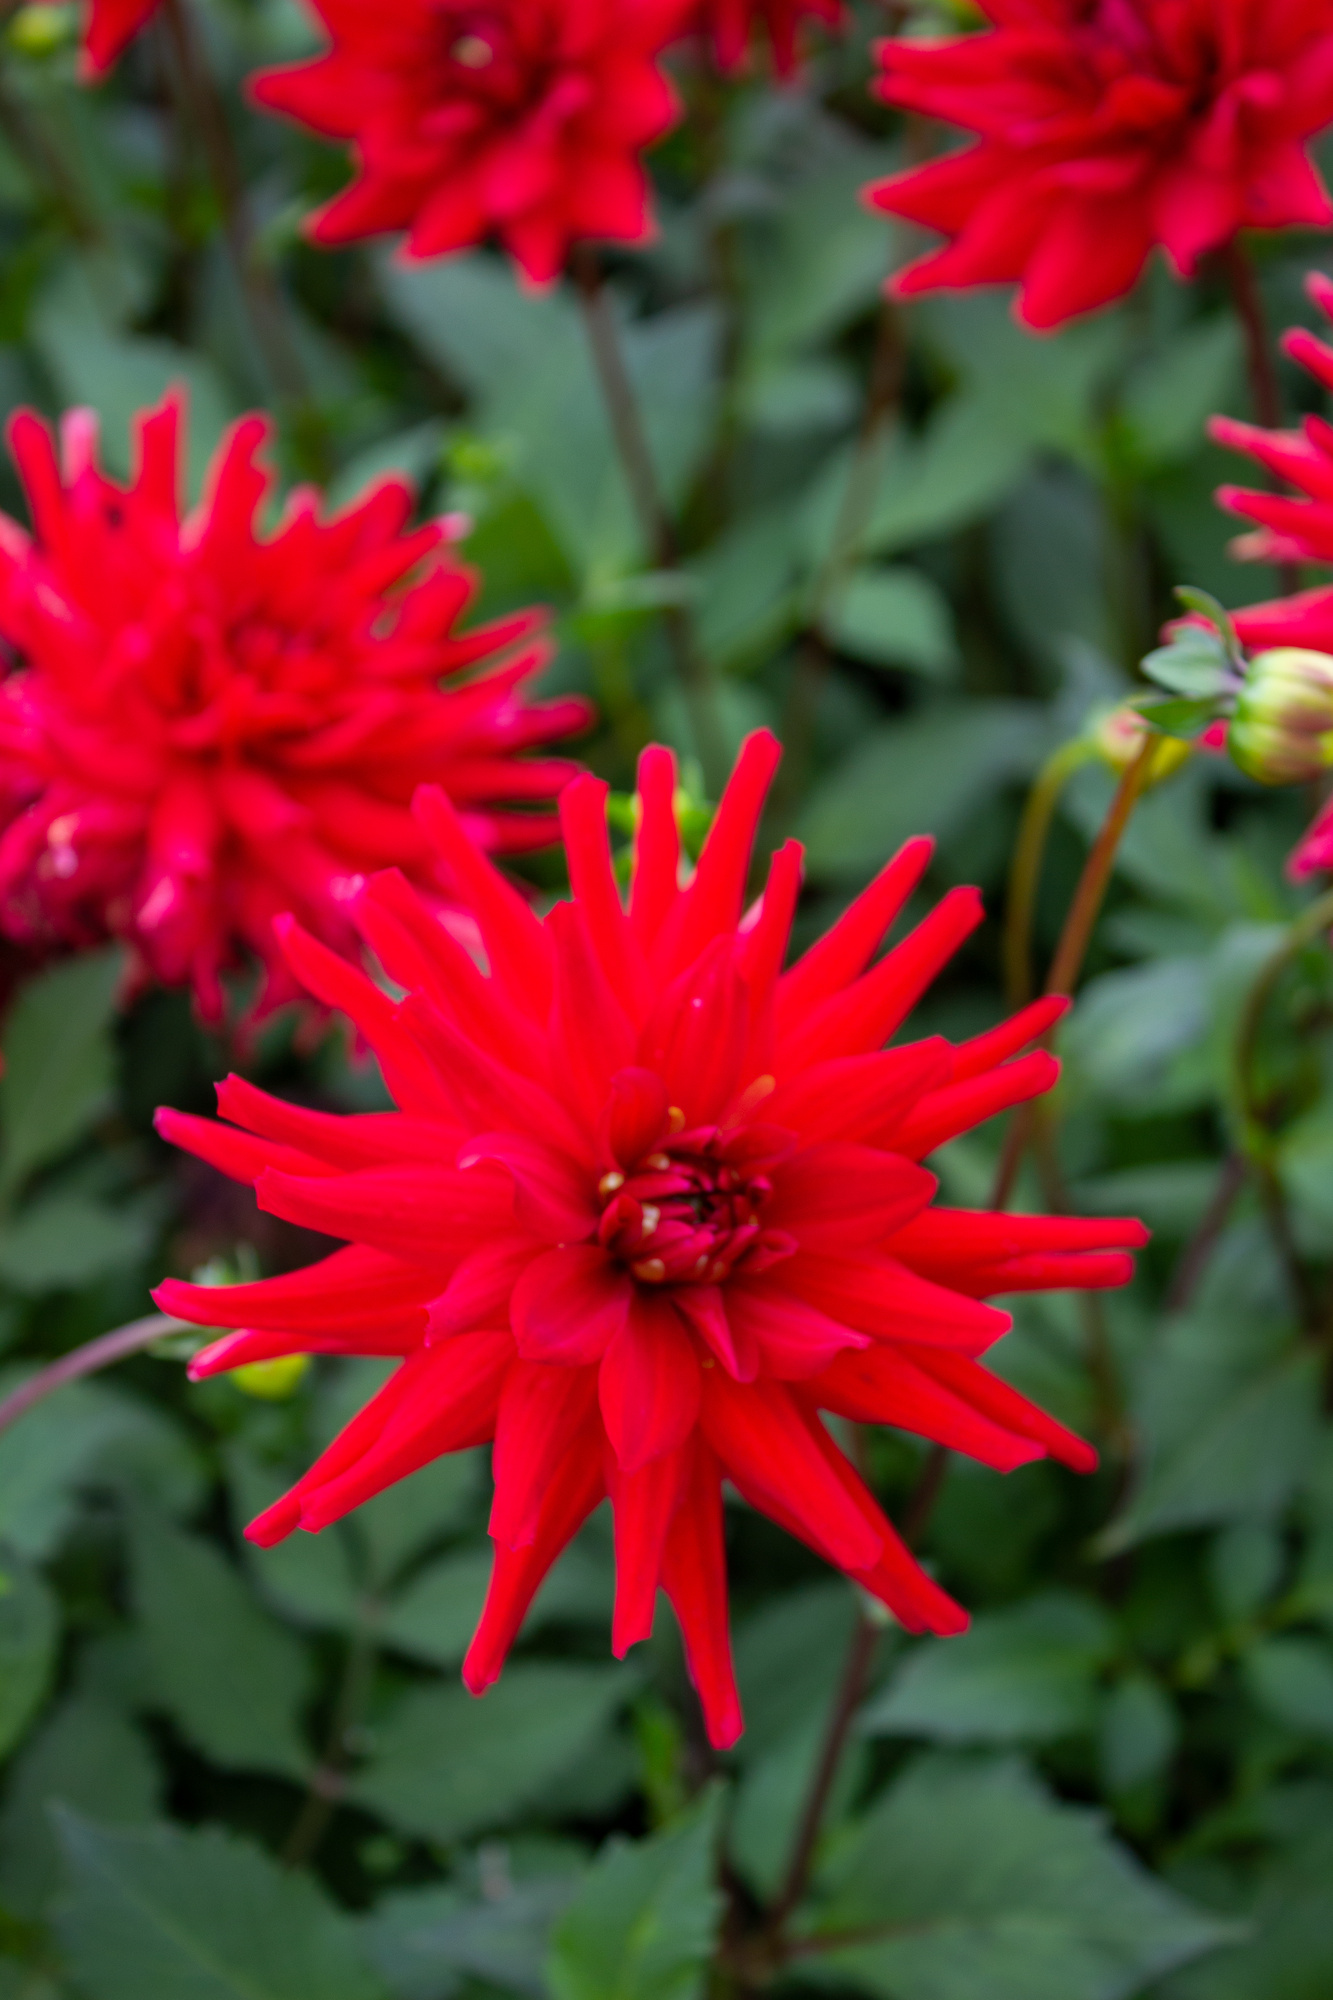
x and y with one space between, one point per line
648 1207
522 118
206 728
1106 127
731 25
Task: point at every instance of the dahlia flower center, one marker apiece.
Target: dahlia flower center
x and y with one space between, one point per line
691 1212
482 58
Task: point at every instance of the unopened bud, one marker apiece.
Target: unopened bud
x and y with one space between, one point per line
42 30
272 1381
1118 737
1282 730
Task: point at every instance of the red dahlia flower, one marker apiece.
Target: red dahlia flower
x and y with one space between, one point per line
648 1207
207 728
1105 127
519 118
1291 528
730 26
108 25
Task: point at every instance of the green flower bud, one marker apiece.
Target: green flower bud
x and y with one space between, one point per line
1282 730
41 30
1117 737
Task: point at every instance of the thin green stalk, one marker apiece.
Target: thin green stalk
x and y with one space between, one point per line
1025 869
693 668
1075 938
1256 1129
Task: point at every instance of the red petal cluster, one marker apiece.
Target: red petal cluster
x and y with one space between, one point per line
206 728
109 25
649 1206
1106 127
519 118
1292 528
731 26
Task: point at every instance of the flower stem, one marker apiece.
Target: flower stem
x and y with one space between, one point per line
1265 390
631 440
202 109
1025 869
328 1779
852 1686
46 163
883 396
1074 940
1256 1133
86 1360
1194 1257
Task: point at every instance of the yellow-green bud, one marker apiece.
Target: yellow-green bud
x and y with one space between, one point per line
1282 730
272 1381
41 30
1117 736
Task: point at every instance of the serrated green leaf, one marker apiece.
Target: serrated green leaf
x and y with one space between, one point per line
88 1755
445 1764
983 1888
232 1680
642 1925
1024 1675
1185 719
199 1916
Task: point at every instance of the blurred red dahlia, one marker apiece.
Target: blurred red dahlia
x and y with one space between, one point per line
650 1205
108 26
1105 127
732 25
523 119
1292 528
205 728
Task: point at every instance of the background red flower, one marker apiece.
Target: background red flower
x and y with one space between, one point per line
733 25
206 727
523 119
1105 129
648 1207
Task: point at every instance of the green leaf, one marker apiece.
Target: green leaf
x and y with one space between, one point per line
821 259
88 1433
981 1887
1288 1952
1195 663
1185 719
199 1916
62 1241
58 1061
119 375
1170 396
928 774
1227 1417
435 1613
86 1755
445 1764
1292 1679
1139 1732
1024 1675
309 1578
895 618
424 1941
230 1678
642 1925
29 1631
